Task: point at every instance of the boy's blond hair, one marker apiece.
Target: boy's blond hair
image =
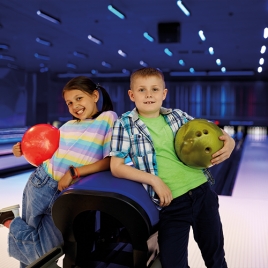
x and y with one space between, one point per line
145 72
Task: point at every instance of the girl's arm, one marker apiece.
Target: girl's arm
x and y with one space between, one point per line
101 165
16 150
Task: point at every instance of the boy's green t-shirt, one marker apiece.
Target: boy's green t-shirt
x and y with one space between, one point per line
177 176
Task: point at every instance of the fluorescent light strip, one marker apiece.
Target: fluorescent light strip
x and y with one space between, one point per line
148 37
183 8
116 12
106 64
144 64
80 55
41 57
43 42
47 17
122 53
5 57
71 65
3 46
265 33
95 40
168 52
201 35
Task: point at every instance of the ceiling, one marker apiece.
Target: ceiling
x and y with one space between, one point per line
234 28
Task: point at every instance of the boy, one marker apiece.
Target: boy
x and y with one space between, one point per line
183 194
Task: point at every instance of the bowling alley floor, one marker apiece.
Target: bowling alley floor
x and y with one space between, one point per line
244 214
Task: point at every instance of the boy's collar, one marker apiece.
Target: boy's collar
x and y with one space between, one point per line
134 114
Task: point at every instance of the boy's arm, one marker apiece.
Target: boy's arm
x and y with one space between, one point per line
225 151
16 150
120 170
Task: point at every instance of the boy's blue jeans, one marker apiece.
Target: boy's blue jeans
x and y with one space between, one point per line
197 208
34 234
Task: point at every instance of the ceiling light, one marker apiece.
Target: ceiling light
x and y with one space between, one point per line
191 70
218 61
125 71
263 49
144 64
181 62
261 61
4 57
148 37
71 65
121 53
168 52
211 51
41 57
47 17
80 55
116 12
202 36
3 46
223 69
43 42
265 33
183 8
95 40
259 69
106 64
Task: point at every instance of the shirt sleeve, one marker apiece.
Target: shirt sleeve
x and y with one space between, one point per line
120 143
110 119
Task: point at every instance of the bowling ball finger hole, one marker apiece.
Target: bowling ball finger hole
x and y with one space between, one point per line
207 150
205 131
198 133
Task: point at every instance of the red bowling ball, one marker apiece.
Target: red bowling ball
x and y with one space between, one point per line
39 143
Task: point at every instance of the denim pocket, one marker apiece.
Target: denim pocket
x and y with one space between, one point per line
38 180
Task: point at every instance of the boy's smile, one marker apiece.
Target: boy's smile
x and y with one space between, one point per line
148 94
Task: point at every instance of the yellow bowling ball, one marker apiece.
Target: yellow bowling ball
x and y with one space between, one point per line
196 141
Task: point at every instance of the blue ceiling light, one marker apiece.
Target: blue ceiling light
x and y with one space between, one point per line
43 42
211 51
5 57
265 33
116 12
168 52
191 70
106 64
122 53
80 55
259 69
47 17
201 35
223 69
41 57
263 49
94 71
94 39
183 8
148 37
181 62
218 61
71 65
144 64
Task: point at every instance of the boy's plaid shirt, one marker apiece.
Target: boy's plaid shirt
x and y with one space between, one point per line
131 138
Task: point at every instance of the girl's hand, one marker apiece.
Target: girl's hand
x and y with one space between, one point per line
16 149
225 151
65 181
162 191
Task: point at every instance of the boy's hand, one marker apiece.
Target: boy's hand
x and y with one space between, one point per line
225 151
16 150
65 181
162 191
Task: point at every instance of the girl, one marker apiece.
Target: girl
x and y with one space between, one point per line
84 148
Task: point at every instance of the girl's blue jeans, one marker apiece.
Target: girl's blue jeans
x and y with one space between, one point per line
197 208
34 234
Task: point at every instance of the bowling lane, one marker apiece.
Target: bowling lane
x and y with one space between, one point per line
252 179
